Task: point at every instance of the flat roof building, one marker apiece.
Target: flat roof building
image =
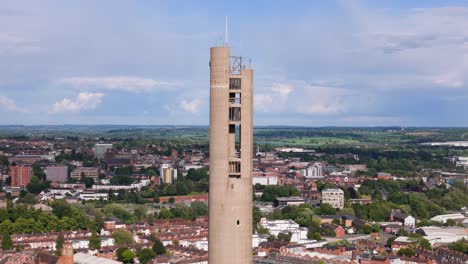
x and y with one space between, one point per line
57 173
334 197
90 172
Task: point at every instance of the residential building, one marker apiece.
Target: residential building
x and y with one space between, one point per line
20 175
168 174
265 180
334 197
314 170
86 196
57 173
406 219
89 172
100 150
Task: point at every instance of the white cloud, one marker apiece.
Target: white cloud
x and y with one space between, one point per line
190 106
274 98
12 44
322 100
9 105
84 101
123 83
301 97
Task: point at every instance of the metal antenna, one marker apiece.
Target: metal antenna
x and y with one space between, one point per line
226 34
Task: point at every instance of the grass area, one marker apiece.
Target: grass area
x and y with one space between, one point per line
311 141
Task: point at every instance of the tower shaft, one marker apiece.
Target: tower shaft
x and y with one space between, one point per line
231 153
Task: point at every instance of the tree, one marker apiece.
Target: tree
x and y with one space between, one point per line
145 255
199 208
346 211
119 252
128 256
7 243
326 209
88 181
460 246
125 255
121 180
59 244
158 247
29 198
165 214
424 243
94 241
171 200
284 237
407 252
140 212
36 185
122 237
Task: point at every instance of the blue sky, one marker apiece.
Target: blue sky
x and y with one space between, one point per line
317 63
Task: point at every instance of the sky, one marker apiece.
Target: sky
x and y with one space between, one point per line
316 63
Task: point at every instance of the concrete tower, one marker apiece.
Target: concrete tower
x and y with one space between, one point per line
231 153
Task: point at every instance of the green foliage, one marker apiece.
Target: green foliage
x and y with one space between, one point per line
120 212
272 191
88 181
460 246
38 172
126 256
7 242
123 237
59 244
145 255
326 209
197 175
94 241
140 212
36 185
165 214
425 244
347 211
158 247
407 252
121 180
4 160
256 216
29 198
284 237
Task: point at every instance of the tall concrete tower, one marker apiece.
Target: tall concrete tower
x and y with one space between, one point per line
231 148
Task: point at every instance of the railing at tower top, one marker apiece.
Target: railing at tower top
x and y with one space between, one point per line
234 100
235 155
239 63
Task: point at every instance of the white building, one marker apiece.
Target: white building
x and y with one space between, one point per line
461 161
443 218
87 196
298 234
314 170
265 180
442 235
334 197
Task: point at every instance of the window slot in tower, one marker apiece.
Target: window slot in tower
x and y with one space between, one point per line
235 83
234 151
234 114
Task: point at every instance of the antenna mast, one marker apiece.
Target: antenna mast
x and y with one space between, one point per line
226 33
